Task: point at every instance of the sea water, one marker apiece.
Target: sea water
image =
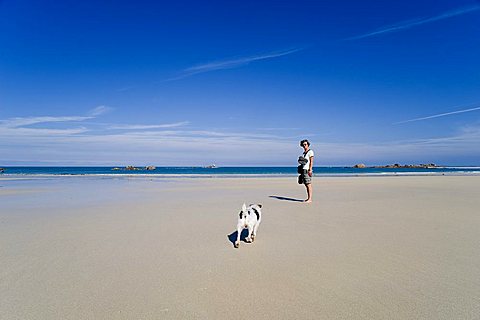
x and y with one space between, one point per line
230 171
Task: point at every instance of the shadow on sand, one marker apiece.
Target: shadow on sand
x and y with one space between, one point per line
233 236
287 199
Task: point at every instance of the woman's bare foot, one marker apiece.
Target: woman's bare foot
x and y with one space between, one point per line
308 201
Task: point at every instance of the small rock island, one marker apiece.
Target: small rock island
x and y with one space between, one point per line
396 166
133 168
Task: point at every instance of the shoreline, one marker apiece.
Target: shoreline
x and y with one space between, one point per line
7 176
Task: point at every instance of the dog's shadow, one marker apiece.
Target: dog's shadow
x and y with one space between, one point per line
233 236
287 199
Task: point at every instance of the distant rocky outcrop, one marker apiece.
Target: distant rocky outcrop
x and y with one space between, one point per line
415 166
360 166
128 168
398 166
132 168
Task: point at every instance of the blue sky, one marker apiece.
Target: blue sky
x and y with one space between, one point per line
239 83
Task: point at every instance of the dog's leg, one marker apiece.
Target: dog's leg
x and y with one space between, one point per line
239 232
249 238
254 234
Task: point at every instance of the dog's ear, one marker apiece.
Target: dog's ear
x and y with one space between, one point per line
244 207
259 205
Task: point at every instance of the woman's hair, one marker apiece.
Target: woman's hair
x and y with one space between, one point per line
303 141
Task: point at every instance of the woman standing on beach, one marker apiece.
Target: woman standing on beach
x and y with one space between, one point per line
307 173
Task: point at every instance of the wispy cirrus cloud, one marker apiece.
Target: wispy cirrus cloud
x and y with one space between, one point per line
146 127
231 63
22 122
99 111
439 115
21 126
416 22
27 121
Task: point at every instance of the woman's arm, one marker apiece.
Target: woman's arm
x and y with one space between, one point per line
310 167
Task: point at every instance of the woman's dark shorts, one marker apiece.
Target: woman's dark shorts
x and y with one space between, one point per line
304 178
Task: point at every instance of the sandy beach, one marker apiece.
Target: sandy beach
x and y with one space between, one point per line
118 248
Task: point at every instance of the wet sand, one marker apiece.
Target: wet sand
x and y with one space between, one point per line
366 248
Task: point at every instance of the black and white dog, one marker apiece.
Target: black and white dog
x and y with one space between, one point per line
250 217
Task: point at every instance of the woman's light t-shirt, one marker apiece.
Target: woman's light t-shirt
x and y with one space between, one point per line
307 156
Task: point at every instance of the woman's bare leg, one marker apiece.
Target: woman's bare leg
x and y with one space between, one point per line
309 192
